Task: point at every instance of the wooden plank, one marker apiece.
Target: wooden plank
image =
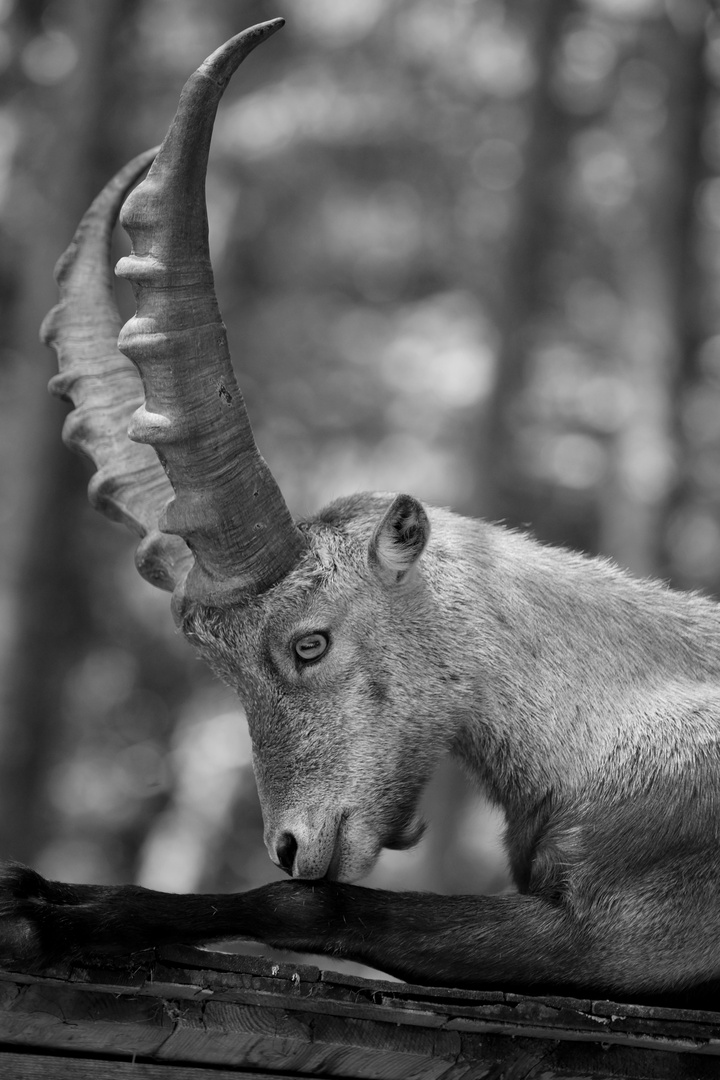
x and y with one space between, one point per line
63 1017
655 1012
409 1051
610 1038
313 997
186 956
128 978
229 1010
418 1001
129 970
47 1067
671 1029
229 1034
573 1061
497 1058
224 1032
387 987
532 1011
361 997
291 988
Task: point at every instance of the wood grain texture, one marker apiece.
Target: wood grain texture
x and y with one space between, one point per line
44 1067
192 1010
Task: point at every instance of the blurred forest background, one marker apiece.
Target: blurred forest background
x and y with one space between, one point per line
464 248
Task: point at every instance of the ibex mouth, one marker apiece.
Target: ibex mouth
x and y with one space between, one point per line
406 835
333 871
358 846
334 868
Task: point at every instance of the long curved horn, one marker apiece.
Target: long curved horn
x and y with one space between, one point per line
130 485
227 506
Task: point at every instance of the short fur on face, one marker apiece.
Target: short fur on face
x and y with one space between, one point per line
333 764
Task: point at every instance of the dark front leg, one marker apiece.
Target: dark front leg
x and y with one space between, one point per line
43 922
459 941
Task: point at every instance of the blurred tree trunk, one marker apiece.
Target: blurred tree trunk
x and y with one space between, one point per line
526 279
694 491
65 138
656 275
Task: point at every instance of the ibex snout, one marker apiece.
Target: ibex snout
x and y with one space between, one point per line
342 846
306 847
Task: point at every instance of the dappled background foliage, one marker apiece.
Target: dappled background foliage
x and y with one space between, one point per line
464 248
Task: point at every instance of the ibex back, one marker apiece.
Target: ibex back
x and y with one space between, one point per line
368 642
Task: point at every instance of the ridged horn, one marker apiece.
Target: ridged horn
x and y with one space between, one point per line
227 506
130 485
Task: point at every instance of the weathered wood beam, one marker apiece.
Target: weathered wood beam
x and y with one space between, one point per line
189 1009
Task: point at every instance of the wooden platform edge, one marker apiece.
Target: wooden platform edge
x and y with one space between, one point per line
192 1008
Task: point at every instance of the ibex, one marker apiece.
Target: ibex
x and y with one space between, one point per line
366 643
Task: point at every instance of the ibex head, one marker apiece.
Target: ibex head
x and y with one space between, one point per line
322 662
310 622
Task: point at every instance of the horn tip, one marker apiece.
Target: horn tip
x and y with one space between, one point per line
265 29
221 64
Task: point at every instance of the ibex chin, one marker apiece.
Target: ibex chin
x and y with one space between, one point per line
366 643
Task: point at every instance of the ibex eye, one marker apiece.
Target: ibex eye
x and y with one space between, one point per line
312 646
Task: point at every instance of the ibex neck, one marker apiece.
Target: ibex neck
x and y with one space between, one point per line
561 657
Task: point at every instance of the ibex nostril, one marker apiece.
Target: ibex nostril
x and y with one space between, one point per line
286 850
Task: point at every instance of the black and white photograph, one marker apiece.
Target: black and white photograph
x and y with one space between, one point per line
360 539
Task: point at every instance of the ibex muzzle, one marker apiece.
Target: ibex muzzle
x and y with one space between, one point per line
371 640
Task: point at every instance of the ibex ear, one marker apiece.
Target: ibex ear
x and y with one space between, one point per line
400 539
